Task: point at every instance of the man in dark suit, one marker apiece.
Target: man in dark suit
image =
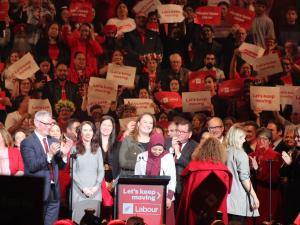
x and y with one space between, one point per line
183 146
60 88
140 41
277 132
42 155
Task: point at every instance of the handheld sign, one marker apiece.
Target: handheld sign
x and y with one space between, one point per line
169 100
35 105
101 88
104 103
24 68
265 98
231 88
250 52
287 94
196 79
196 101
170 13
240 16
146 6
121 75
142 105
81 12
267 65
208 15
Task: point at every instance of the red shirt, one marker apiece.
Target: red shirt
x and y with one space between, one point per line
53 51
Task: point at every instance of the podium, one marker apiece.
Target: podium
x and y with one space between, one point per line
143 196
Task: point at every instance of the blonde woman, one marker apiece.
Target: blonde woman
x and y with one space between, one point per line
242 201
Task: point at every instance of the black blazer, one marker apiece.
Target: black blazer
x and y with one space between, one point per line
282 146
42 51
134 47
52 91
183 161
36 164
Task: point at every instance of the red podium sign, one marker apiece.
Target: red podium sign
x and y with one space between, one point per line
141 200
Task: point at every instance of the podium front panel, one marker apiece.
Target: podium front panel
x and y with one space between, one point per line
146 201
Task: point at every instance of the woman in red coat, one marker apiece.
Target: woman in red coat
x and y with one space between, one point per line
207 182
11 162
261 159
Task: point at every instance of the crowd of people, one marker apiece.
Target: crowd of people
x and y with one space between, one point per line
81 149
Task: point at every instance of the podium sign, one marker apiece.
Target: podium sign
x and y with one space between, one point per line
142 196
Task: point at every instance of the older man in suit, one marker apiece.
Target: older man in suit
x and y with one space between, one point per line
42 156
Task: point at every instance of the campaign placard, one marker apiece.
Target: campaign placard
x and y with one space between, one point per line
168 100
35 105
104 103
123 26
142 105
146 6
101 88
240 16
296 101
265 98
81 12
4 6
24 68
196 79
268 65
145 201
287 94
124 122
210 15
170 13
196 101
121 75
231 88
250 52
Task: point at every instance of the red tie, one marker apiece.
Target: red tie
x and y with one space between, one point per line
50 166
63 91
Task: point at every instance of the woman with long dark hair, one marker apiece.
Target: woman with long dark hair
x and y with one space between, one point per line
88 172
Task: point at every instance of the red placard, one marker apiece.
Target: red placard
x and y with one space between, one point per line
196 80
145 201
240 16
208 15
4 6
231 88
81 12
168 100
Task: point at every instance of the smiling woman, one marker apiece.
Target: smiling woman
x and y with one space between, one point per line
88 172
136 144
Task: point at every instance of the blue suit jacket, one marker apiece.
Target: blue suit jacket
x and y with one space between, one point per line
36 164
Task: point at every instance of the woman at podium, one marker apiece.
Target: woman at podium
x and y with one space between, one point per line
157 161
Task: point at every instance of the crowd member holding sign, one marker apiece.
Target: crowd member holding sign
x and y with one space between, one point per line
242 201
157 161
88 172
122 21
20 117
9 79
136 143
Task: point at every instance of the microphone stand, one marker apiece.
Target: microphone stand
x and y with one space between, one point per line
270 189
73 157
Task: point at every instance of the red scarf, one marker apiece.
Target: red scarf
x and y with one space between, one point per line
154 163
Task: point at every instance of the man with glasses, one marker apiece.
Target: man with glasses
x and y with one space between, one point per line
42 155
216 128
183 147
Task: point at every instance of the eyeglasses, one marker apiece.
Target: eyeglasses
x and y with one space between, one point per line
214 128
182 132
47 124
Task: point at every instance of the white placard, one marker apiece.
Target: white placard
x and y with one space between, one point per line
265 98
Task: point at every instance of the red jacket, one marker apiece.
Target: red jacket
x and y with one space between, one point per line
209 197
15 160
90 48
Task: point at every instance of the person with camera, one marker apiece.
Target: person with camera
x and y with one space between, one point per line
42 156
